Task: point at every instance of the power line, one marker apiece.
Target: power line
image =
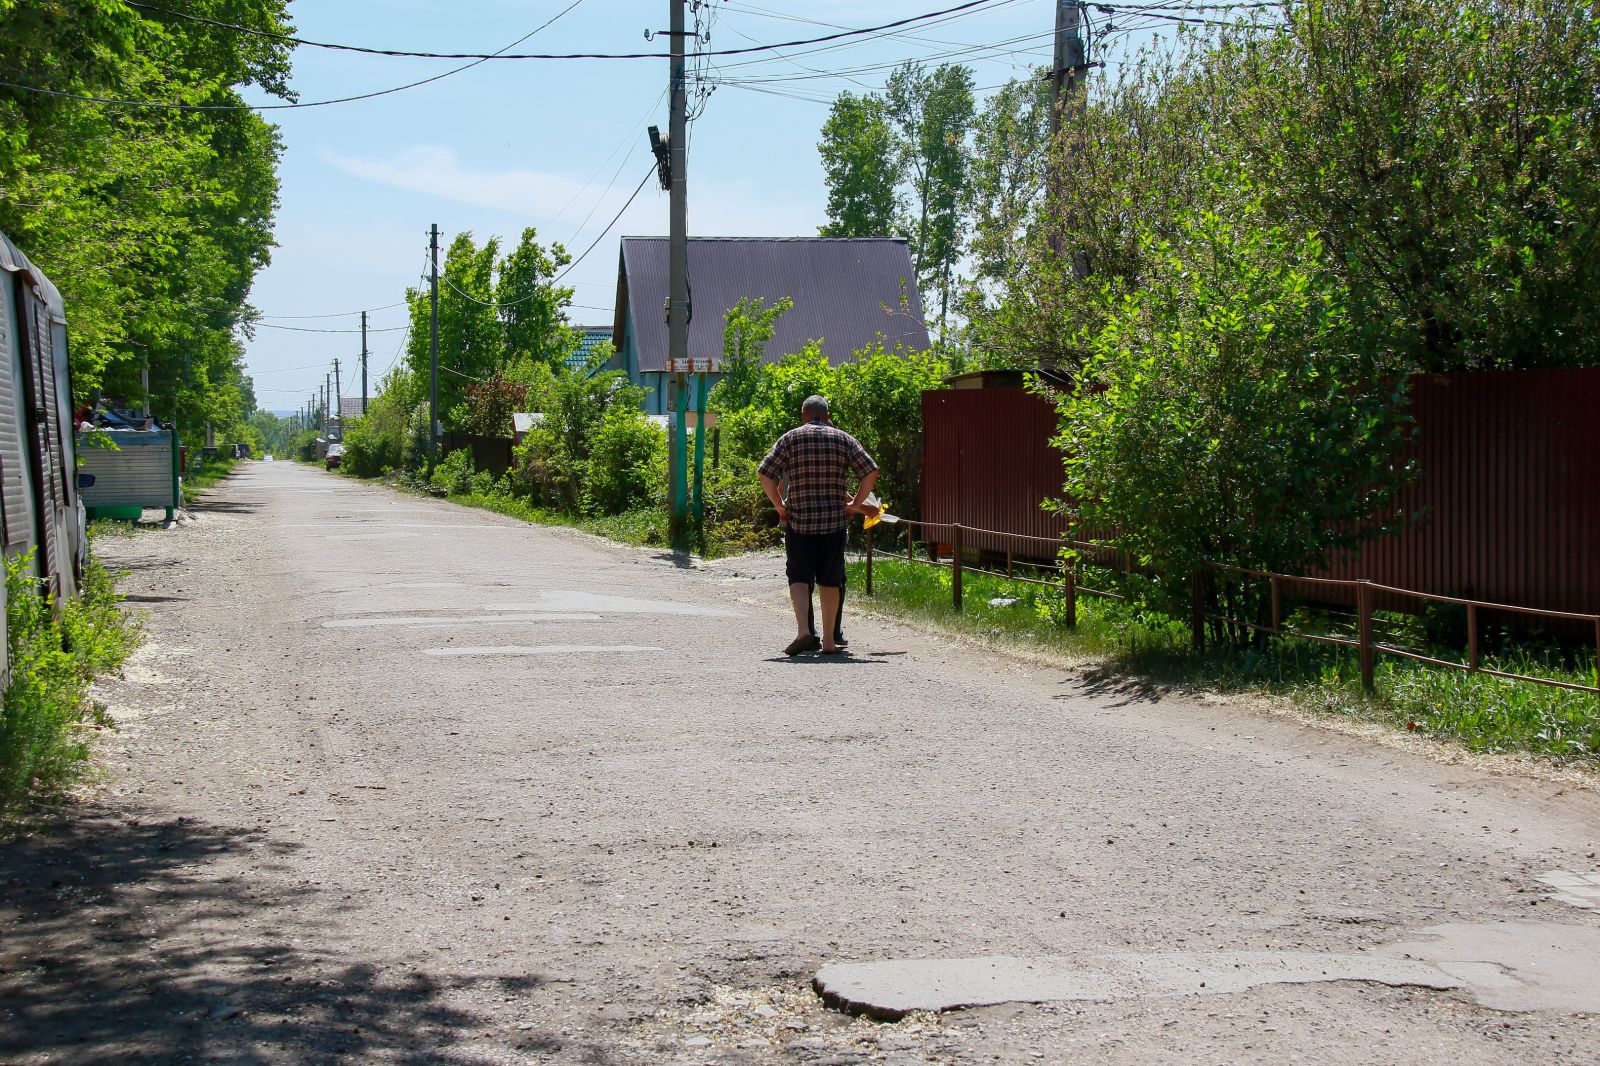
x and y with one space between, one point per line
487 303
308 329
503 54
335 314
574 264
166 106
286 370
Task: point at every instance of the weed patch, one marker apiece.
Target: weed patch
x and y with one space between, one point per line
49 719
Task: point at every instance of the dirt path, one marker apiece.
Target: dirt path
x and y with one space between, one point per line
404 782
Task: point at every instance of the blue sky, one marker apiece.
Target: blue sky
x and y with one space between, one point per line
554 145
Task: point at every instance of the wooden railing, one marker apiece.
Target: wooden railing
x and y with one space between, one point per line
1365 593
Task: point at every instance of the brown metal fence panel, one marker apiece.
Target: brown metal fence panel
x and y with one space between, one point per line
987 463
1507 490
1509 484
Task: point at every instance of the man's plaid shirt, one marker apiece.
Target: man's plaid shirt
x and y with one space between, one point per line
812 461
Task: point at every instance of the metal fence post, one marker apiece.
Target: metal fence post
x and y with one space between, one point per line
1197 610
1277 607
1472 636
955 566
1364 630
869 560
1069 589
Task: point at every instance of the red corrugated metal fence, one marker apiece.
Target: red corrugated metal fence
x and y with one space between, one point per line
1509 484
987 462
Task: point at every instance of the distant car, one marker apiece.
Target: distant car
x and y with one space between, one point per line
267 458
335 456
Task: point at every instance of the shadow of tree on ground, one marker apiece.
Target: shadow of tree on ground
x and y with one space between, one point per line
118 945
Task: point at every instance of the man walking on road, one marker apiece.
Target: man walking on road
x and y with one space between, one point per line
805 476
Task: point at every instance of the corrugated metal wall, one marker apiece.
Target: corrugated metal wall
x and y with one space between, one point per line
16 496
987 463
1510 483
1510 490
138 474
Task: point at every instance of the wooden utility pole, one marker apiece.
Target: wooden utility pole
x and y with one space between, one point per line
363 364
678 309
1068 75
338 394
433 346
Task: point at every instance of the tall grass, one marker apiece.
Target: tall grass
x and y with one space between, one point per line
49 718
1475 711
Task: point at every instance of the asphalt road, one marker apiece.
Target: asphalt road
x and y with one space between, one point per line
399 781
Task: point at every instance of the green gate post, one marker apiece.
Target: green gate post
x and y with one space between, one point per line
700 452
680 448
177 474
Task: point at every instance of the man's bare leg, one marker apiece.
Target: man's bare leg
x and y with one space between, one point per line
800 596
830 615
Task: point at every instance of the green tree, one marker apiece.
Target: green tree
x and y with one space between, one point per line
152 222
747 329
932 112
533 307
863 166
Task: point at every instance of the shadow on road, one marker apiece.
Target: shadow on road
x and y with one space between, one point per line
1106 681
120 946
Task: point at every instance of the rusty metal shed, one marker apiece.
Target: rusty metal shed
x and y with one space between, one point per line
39 507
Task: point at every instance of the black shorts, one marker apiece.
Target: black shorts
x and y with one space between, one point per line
814 558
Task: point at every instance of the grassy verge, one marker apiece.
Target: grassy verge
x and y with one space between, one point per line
645 527
1474 711
201 478
642 527
49 718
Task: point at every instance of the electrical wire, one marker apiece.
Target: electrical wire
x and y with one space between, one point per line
482 303
336 314
648 174
165 106
308 329
504 54
287 369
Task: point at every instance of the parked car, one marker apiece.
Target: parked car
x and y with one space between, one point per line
334 456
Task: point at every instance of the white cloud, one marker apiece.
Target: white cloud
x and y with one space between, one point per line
716 208
436 171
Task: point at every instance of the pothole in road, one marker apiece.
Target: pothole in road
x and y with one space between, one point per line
764 1023
1511 966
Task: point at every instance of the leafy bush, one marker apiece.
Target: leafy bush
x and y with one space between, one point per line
454 473
368 450
876 397
488 406
48 716
739 517
544 472
1228 410
626 461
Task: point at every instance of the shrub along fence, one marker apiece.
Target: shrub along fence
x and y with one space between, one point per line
956 540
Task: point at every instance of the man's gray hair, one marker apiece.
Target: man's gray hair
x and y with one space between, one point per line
815 407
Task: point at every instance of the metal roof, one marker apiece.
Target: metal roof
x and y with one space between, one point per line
13 261
593 338
847 292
